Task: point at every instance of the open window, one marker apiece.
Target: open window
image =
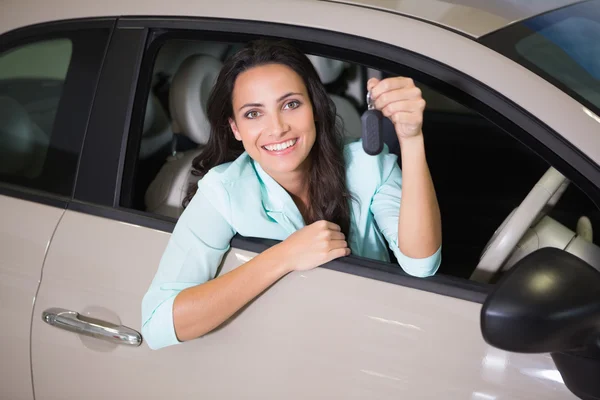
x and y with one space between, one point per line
480 170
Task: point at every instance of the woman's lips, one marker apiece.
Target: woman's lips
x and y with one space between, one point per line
281 148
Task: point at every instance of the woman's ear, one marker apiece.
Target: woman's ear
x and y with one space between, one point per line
234 129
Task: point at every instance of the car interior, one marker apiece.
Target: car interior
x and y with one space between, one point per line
480 172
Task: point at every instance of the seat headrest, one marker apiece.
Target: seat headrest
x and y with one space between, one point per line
188 96
174 52
329 70
17 137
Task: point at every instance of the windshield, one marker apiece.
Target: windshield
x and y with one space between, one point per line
562 46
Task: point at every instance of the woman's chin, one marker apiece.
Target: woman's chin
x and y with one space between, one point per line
283 166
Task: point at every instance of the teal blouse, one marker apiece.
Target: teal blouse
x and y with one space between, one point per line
239 197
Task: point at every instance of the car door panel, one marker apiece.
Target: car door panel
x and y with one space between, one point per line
93 270
317 334
25 233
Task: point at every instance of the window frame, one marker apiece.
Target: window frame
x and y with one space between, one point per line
75 104
452 83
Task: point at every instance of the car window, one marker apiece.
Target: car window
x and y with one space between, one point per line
31 82
481 173
561 46
47 83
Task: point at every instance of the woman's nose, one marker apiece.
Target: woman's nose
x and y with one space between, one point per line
279 126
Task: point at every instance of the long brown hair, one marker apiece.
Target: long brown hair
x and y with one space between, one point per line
329 197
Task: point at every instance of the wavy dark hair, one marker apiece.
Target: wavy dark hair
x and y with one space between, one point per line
329 198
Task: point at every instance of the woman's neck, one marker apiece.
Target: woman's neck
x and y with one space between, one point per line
296 184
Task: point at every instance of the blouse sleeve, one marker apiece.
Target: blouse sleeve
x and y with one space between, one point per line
385 207
193 254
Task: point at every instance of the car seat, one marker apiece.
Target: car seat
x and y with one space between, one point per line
188 97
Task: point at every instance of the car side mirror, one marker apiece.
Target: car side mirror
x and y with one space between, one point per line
549 302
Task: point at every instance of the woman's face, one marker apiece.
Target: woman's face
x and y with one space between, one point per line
273 118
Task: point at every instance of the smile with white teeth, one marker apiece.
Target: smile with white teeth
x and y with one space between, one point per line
280 146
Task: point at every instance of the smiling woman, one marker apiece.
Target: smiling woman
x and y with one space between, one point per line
281 126
275 167
268 104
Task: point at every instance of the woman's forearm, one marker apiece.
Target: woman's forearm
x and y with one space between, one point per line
419 224
200 309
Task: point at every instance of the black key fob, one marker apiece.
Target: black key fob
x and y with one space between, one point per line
372 140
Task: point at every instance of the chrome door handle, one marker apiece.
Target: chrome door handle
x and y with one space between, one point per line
71 321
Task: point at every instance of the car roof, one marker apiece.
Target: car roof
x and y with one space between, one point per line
471 17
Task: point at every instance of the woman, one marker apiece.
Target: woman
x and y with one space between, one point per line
275 167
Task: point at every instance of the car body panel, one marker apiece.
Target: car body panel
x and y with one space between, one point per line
471 17
25 233
318 334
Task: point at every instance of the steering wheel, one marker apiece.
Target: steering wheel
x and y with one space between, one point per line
542 197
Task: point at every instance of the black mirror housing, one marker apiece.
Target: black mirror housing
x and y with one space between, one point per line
549 302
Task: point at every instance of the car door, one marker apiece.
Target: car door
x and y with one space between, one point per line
354 328
39 148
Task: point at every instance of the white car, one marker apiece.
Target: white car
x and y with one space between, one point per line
102 110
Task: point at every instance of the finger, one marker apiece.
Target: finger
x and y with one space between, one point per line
405 94
371 83
322 224
403 118
404 106
337 244
337 253
335 235
333 227
389 84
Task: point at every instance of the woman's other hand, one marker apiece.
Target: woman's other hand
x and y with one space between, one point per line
401 101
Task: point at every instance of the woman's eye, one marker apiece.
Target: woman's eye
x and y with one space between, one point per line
252 114
292 104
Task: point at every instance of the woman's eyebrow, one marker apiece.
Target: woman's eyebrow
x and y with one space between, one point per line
278 100
250 105
288 95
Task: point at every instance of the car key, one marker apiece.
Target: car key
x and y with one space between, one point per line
372 141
